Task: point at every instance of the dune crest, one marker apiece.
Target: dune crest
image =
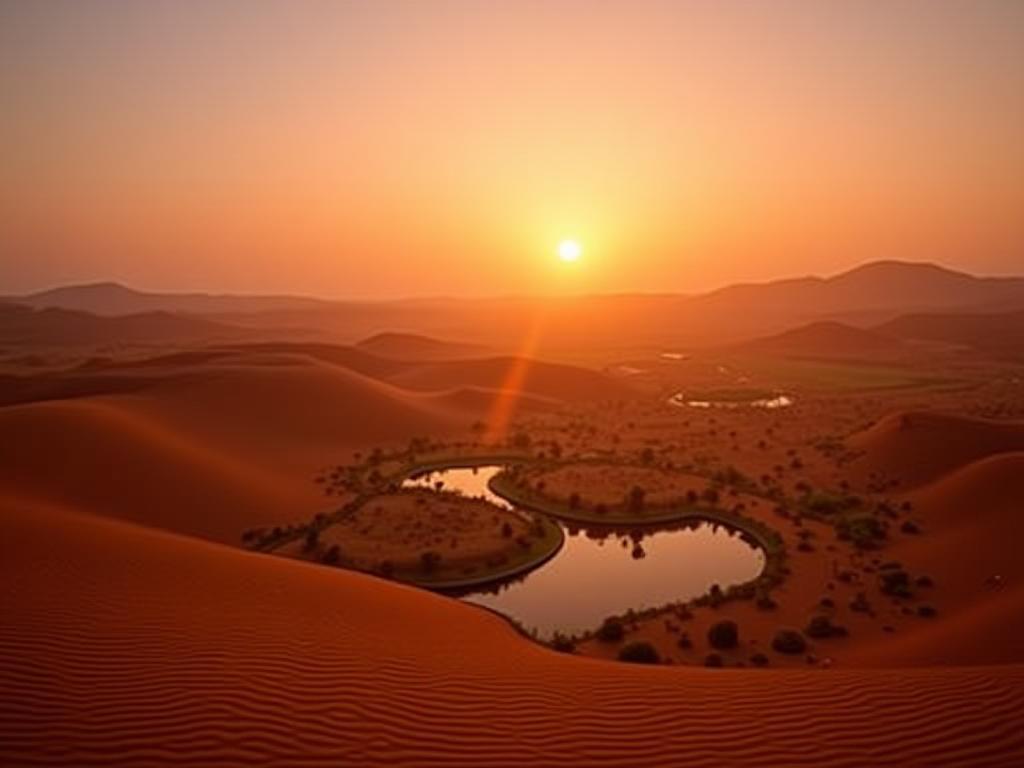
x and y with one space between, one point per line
147 648
915 447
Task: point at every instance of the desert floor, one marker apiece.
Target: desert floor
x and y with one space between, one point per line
137 630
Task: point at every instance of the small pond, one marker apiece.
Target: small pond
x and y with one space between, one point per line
683 400
601 572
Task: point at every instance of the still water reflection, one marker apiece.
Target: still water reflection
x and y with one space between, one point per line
601 571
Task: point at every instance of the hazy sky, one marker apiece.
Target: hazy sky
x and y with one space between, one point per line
392 148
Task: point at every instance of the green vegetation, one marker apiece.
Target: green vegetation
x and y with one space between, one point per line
789 642
823 374
723 635
640 652
611 631
821 626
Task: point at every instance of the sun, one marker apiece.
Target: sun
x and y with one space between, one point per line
569 250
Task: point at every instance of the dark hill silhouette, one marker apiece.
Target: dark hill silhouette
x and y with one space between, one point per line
828 339
62 327
997 333
411 346
868 295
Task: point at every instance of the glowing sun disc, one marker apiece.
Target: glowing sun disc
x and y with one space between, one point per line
569 250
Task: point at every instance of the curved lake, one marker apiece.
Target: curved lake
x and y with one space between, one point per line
600 571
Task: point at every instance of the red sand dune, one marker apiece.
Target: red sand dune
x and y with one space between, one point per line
125 646
538 378
972 528
111 459
916 447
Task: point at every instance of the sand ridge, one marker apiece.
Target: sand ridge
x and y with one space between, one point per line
179 651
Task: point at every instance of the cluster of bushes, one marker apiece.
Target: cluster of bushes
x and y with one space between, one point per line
821 627
864 531
640 652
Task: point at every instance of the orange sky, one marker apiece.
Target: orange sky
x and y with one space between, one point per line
401 148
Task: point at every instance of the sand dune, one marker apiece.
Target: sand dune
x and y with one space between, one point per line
919 446
537 378
111 459
972 528
122 646
410 346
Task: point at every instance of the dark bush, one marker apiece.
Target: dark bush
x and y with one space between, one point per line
640 652
429 561
860 603
759 660
925 611
789 641
611 631
895 583
723 635
910 527
822 627
312 539
563 644
713 660
685 642
864 531
332 556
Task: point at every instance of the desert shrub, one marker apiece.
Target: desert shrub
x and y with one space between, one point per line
926 611
821 627
429 561
765 602
789 641
684 641
759 660
715 596
924 581
895 583
611 631
864 531
574 500
640 652
713 660
909 526
824 504
860 603
312 539
723 634
332 556
562 643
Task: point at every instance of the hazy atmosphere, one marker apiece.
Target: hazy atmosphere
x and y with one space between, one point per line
439 148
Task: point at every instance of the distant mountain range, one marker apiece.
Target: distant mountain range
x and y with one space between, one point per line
865 297
22 325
